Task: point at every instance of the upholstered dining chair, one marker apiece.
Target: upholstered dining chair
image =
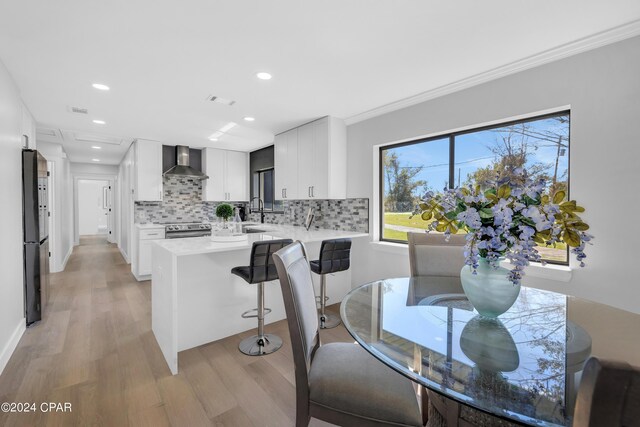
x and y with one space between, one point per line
431 255
609 395
338 382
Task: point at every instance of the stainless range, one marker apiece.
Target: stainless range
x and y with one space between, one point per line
176 231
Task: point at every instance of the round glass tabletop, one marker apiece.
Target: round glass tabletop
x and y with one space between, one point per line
524 366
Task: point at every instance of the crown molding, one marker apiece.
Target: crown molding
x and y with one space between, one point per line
595 41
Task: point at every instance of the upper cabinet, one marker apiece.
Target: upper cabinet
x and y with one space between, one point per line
311 161
147 182
285 165
228 173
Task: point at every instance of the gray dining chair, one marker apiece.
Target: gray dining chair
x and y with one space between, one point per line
338 382
608 395
431 255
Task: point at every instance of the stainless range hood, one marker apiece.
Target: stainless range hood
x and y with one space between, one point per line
182 168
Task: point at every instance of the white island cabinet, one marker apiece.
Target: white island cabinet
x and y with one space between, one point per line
144 235
195 298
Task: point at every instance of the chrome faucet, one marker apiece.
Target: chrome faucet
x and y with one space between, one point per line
260 208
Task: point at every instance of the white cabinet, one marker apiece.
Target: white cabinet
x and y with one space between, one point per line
286 165
228 173
147 183
141 264
320 168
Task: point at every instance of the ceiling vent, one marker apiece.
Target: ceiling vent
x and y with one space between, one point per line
78 110
220 100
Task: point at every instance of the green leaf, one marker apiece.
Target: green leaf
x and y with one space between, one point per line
559 197
485 213
451 215
580 226
504 191
427 215
571 238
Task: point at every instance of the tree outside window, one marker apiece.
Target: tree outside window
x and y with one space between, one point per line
408 170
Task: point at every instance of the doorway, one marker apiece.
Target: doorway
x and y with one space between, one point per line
94 208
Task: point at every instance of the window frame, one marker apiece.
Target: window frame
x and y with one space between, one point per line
452 136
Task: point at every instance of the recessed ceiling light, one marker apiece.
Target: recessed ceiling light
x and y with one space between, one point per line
263 76
249 119
99 122
95 160
96 147
213 139
100 86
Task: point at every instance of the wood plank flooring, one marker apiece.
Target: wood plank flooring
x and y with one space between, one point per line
95 349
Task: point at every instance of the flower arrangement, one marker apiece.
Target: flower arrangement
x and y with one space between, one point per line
506 220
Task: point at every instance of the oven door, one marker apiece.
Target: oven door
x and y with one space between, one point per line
182 234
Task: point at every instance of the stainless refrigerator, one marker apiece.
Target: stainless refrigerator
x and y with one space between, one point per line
35 194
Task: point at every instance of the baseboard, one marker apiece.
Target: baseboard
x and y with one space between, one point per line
8 349
124 255
66 258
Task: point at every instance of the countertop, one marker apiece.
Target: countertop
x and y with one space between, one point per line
202 245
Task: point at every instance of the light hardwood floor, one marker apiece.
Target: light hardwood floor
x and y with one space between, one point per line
95 349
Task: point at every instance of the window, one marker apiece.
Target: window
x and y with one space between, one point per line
263 188
408 170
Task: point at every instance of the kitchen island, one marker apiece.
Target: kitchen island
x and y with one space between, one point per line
196 300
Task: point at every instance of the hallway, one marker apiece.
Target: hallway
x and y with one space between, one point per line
95 350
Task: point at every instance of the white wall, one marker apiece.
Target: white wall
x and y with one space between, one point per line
602 88
92 218
62 211
12 323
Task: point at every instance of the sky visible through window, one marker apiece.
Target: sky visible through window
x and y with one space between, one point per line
472 153
408 171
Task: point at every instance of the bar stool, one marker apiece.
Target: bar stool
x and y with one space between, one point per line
261 269
334 257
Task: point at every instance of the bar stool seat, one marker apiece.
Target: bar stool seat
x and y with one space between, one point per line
335 256
260 269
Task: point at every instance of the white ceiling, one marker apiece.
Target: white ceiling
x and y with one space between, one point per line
331 57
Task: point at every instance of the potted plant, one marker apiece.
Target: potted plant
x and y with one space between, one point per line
504 220
224 211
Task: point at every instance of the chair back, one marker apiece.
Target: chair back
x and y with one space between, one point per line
302 316
261 266
609 395
335 256
431 255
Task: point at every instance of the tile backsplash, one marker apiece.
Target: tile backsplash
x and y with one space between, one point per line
182 202
346 214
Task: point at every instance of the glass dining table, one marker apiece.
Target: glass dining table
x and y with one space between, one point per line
524 367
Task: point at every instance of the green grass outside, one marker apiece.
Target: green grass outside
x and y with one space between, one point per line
550 253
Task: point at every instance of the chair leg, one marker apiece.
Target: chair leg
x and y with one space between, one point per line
262 343
327 320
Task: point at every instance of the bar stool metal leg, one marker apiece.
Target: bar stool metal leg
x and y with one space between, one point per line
262 343
327 320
